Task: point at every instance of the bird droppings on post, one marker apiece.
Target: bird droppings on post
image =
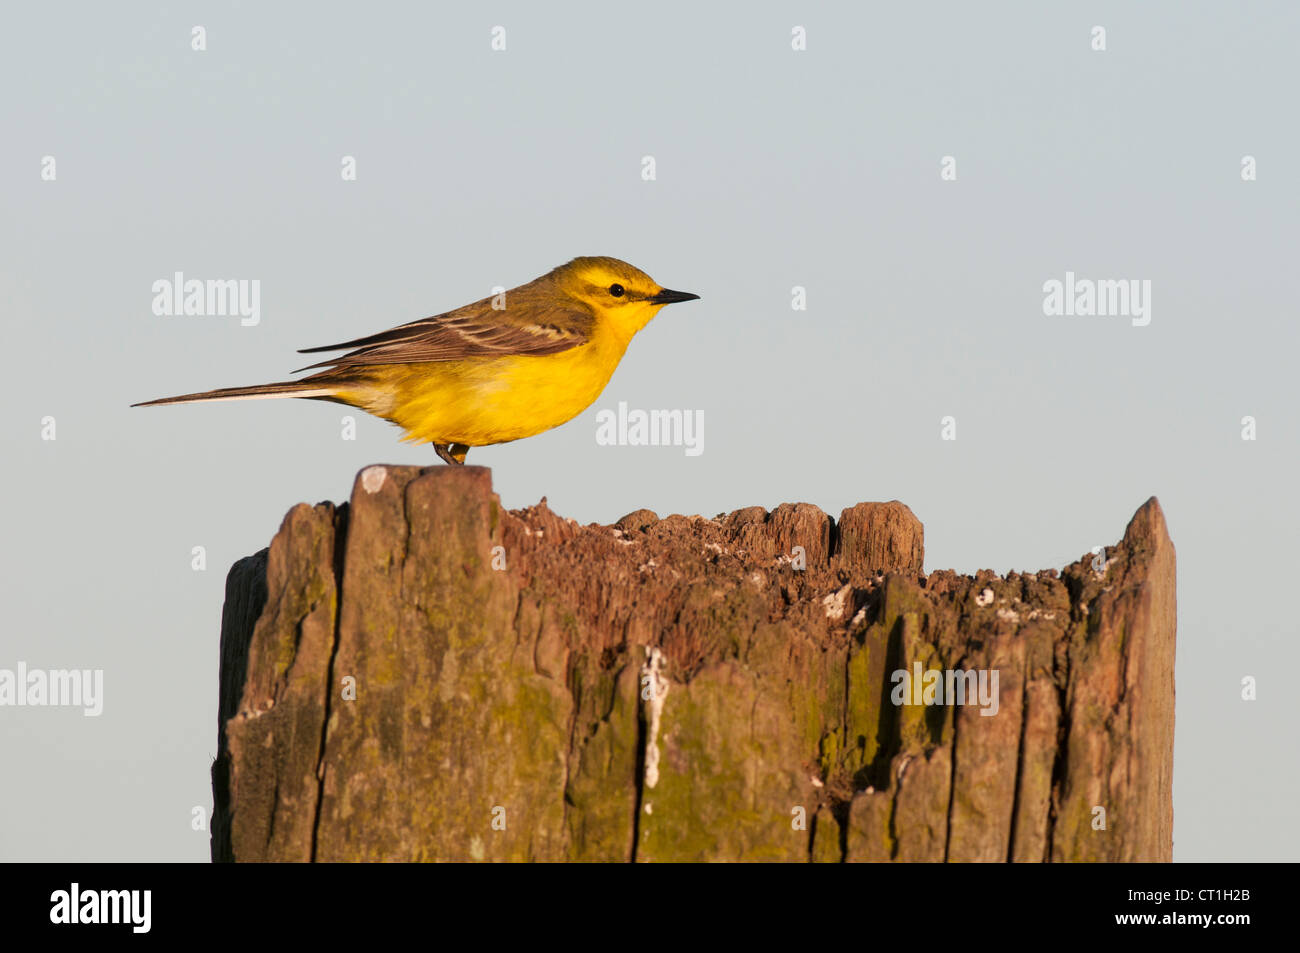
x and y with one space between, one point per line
372 479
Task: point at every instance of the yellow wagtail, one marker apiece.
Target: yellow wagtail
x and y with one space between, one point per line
492 371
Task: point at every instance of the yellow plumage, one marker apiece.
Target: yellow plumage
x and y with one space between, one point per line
497 370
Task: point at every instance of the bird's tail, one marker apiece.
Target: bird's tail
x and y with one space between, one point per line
303 388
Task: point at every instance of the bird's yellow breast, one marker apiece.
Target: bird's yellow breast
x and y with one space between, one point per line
489 400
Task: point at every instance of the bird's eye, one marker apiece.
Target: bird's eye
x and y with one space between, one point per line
616 290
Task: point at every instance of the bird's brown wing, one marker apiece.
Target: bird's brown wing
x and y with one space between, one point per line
476 330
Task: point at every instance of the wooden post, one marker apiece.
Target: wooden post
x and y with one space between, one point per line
422 675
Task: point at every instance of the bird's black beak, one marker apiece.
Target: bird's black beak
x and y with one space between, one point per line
671 297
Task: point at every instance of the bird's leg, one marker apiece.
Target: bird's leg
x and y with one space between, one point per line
460 451
442 451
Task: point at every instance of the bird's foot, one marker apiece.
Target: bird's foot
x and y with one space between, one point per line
454 453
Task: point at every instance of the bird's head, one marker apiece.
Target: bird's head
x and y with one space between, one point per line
624 296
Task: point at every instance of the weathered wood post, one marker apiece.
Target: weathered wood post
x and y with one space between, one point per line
422 675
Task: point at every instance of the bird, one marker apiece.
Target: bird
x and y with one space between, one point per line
506 367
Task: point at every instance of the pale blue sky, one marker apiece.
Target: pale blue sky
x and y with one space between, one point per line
775 168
